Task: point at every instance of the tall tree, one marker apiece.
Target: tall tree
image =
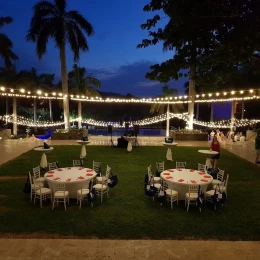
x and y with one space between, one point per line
167 92
51 19
81 84
6 44
39 82
205 38
187 36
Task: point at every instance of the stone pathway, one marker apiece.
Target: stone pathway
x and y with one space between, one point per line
69 249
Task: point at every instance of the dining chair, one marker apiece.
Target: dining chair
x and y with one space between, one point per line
82 193
37 175
102 188
192 196
201 167
34 186
219 179
53 166
180 165
42 193
156 179
171 194
60 194
78 163
97 167
99 179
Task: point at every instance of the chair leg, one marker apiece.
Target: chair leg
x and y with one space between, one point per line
188 205
34 198
65 204
31 194
80 204
101 197
53 203
41 201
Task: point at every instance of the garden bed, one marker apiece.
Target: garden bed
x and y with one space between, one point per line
186 136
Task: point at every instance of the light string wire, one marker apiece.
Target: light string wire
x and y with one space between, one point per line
19 120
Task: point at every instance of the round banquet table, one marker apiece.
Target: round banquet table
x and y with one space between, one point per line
43 162
72 176
129 139
208 154
182 178
83 152
169 150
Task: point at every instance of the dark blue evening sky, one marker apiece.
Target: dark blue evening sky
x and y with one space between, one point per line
113 57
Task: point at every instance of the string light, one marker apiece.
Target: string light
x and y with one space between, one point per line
19 120
201 98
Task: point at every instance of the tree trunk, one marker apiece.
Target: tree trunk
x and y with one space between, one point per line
6 109
211 112
191 96
168 121
64 80
197 111
79 115
34 114
15 116
242 109
233 111
50 109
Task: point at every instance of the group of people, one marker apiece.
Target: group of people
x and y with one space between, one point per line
215 146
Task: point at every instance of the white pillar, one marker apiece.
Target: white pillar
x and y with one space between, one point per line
191 96
242 109
168 121
79 115
15 116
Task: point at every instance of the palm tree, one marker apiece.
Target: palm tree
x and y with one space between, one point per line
80 84
167 92
51 19
6 44
36 82
157 107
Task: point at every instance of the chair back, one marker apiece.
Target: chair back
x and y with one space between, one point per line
57 186
108 172
85 185
201 167
53 166
37 172
78 163
193 189
149 173
160 166
220 175
180 165
97 166
226 183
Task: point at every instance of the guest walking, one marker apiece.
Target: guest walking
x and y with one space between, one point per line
215 146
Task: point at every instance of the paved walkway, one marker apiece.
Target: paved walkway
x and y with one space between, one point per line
70 249
67 249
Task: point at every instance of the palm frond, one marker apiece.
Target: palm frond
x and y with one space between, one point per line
93 81
61 5
5 20
83 23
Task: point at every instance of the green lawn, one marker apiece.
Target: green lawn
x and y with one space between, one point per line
128 213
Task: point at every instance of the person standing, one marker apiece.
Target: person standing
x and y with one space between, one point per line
257 148
215 146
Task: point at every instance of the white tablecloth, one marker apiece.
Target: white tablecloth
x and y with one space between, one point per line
129 139
182 178
43 162
83 152
169 150
72 176
209 154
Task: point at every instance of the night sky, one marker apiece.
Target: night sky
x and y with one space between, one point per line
113 57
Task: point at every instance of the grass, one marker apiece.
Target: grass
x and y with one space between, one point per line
128 213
